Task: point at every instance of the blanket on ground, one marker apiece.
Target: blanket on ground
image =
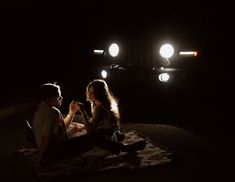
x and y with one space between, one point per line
99 160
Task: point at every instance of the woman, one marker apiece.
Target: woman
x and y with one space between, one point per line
104 109
105 120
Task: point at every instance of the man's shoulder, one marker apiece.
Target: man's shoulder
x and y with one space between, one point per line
47 109
54 111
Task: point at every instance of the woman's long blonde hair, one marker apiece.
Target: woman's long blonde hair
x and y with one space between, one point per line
105 96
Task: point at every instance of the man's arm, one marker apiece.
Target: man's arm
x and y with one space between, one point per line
73 108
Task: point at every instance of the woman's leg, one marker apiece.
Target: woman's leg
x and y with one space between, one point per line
105 143
117 147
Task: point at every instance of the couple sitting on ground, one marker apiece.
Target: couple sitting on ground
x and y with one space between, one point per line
50 126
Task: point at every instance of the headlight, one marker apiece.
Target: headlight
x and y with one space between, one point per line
104 74
166 51
163 77
114 49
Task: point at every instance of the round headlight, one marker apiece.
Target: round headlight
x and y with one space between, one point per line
163 77
113 50
166 50
104 74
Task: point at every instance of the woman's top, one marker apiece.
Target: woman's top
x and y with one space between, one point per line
106 121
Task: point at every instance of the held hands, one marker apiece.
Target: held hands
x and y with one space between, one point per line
73 107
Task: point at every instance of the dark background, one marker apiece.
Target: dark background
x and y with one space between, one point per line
40 46
45 45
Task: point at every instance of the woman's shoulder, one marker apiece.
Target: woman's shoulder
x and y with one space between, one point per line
101 108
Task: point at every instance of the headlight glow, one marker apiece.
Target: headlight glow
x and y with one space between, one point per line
113 50
163 77
166 51
104 74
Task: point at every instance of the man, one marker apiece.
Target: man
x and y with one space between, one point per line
49 125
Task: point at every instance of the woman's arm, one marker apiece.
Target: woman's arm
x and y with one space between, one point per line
90 125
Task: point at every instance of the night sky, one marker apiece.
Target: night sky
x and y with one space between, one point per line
40 46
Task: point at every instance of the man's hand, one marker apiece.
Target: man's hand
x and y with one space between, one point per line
73 108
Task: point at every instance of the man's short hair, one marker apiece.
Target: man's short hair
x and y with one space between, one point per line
49 90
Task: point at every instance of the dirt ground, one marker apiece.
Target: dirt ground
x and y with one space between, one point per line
196 156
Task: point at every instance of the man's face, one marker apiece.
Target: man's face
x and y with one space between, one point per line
57 100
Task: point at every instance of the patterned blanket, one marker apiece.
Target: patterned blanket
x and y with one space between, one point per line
99 160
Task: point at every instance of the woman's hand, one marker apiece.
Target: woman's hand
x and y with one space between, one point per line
81 108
